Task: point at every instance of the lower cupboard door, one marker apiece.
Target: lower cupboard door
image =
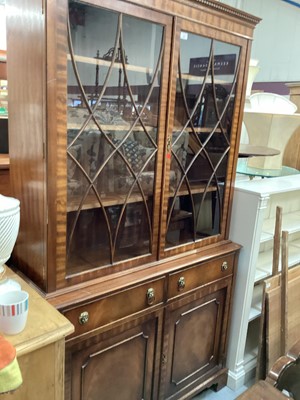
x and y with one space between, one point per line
120 366
195 346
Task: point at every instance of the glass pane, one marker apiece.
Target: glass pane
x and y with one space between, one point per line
113 103
205 93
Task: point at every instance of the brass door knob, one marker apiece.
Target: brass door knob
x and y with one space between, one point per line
150 295
83 318
224 266
181 283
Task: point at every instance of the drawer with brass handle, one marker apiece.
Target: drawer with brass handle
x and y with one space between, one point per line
193 277
113 307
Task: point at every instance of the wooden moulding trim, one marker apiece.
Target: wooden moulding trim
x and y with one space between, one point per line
208 13
218 6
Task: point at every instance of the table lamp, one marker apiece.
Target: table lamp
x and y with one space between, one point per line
9 228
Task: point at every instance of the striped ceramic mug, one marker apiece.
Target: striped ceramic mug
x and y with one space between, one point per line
13 311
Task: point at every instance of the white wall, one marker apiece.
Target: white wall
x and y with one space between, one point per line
2 28
276 39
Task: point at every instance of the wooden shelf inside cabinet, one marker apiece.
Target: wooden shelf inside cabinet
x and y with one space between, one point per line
137 68
110 127
266 237
181 215
254 312
294 253
195 189
198 129
107 63
264 262
251 348
107 201
198 78
250 355
290 223
114 199
256 303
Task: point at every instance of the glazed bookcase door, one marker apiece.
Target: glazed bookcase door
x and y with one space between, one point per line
116 104
202 137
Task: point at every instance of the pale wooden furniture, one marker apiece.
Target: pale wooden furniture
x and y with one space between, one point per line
40 349
250 150
294 93
284 374
254 207
271 130
274 328
123 160
282 381
291 156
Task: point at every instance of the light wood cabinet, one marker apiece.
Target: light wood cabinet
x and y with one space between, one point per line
123 158
254 206
40 349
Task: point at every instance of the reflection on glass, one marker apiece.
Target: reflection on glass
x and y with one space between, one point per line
113 103
205 93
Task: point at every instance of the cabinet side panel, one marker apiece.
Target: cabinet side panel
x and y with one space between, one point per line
26 73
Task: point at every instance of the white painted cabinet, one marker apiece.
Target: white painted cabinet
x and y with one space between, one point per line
252 225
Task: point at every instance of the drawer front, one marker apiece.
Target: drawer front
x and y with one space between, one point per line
113 307
191 278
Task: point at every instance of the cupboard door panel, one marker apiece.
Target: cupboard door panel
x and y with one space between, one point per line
120 363
203 128
111 147
116 111
195 342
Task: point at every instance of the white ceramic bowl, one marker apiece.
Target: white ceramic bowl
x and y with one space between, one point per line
9 226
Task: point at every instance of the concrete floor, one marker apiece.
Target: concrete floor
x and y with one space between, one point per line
224 394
